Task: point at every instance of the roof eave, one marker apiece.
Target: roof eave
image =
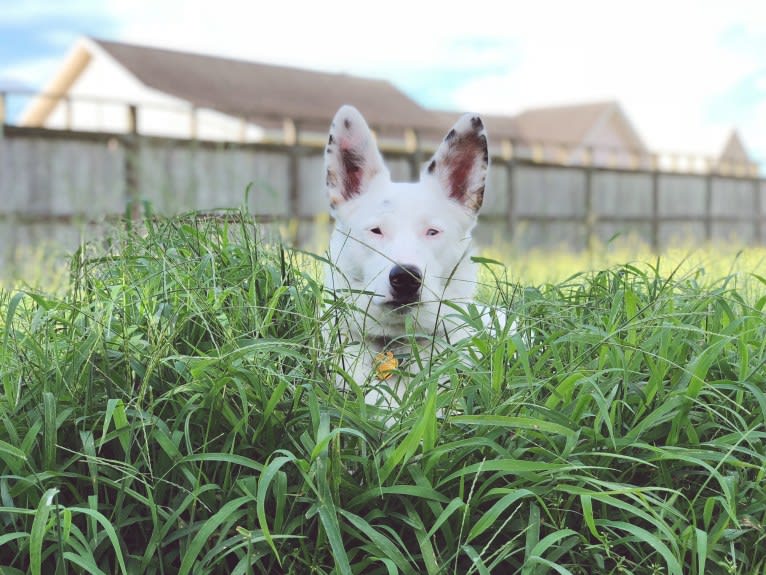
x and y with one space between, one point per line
74 64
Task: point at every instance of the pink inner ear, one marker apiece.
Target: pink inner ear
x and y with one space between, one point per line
462 160
352 173
460 172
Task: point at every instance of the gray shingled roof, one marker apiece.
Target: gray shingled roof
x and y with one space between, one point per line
263 91
560 124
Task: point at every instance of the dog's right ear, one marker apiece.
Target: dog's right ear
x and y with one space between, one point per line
351 158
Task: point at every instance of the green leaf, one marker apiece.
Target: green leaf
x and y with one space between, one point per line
700 543
206 531
39 527
221 457
109 529
49 430
386 548
476 559
587 512
115 409
329 519
532 538
11 389
509 466
564 390
10 453
453 506
514 423
652 542
536 555
696 370
489 518
86 563
267 475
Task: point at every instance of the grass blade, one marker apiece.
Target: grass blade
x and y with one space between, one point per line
39 528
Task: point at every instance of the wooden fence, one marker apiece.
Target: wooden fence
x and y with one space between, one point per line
58 185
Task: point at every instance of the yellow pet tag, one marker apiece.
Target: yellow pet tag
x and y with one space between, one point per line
385 364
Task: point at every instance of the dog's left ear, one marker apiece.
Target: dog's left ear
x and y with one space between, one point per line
461 162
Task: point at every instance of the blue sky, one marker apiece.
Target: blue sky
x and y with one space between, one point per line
34 35
685 71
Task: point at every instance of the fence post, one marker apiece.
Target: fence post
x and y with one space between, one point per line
3 119
758 215
510 206
292 133
242 130
193 124
68 112
132 148
709 207
589 215
412 145
655 239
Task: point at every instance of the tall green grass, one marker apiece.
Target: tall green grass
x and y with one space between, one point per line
176 412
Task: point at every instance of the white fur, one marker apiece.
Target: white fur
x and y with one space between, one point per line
381 224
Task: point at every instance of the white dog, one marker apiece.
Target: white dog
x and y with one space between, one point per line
399 250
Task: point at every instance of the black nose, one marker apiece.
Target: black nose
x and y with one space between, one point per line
405 282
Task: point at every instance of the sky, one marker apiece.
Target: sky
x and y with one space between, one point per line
686 72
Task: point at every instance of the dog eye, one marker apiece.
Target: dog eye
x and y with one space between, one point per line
377 231
432 232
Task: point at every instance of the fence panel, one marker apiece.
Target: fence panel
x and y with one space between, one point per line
682 196
543 191
620 194
56 186
54 177
312 197
736 199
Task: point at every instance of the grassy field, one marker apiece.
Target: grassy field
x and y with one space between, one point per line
173 410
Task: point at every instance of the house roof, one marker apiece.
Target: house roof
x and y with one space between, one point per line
267 94
561 124
566 125
734 149
255 90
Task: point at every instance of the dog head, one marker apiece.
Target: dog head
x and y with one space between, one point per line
401 248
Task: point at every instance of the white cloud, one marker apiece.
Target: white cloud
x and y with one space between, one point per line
336 35
32 10
665 63
34 72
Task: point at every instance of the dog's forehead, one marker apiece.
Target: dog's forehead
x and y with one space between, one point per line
405 199
405 205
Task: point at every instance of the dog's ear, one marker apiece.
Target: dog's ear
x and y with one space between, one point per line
461 162
351 158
